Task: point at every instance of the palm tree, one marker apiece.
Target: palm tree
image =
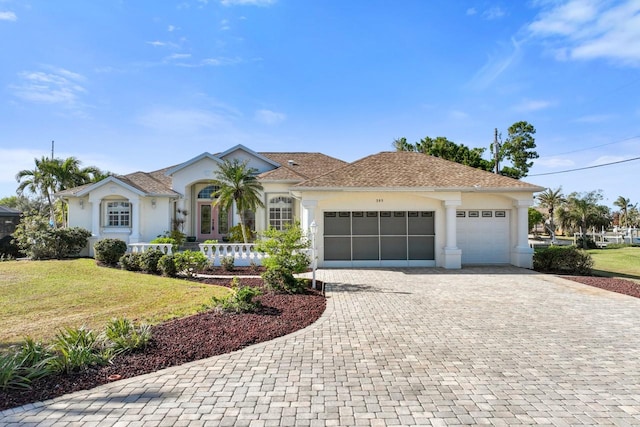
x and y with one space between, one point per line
237 184
551 199
583 211
624 205
40 181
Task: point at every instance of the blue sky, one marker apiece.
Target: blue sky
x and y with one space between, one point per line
141 85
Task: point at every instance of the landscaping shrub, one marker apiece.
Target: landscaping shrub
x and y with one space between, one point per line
242 300
286 256
174 237
77 349
125 336
563 259
164 240
19 368
228 263
190 262
109 251
167 266
590 243
8 248
148 261
235 234
131 261
281 280
38 240
210 241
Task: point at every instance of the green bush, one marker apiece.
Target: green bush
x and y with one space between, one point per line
125 336
228 263
235 234
167 266
174 237
38 240
109 251
210 241
148 262
282 280
590 243
19 368
563 259
190 262
242 300
131 261
77 349
8 248
286 249
164 240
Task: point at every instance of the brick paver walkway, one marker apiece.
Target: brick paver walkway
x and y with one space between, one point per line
498 346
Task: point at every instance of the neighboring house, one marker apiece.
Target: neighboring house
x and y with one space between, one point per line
9 219
387 209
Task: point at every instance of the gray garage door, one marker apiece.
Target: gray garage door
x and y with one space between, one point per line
379 238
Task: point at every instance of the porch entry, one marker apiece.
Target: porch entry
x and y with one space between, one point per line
213 222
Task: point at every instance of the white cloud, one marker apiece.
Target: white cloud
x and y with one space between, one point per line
594 118
471 11
13 161
591 29
178 56
606 159
8 16
172 28
269 117
224 25
56 86
530 105
247 2
493 13
458 115
496 65
221 61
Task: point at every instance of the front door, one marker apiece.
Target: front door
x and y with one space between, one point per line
212 223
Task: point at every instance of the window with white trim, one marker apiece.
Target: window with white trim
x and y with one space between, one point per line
280 212
118 214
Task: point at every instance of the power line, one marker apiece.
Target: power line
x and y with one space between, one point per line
595 146
588 167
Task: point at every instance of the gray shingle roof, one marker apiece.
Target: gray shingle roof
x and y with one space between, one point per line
398 169
305 166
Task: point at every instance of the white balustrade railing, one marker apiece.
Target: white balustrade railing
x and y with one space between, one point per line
143 247
244 254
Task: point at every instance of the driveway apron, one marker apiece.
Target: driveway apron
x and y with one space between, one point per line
497 346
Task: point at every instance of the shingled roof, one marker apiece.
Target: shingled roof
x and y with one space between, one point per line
156 183
401 169
302 166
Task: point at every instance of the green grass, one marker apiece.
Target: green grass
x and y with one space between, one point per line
622 262
38 298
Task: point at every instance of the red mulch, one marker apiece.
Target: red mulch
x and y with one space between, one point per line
613 284
184 340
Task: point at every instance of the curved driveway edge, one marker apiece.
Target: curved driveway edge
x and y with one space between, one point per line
498 346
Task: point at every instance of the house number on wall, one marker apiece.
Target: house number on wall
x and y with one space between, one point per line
379 200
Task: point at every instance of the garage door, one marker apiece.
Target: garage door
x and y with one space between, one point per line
379 238
483 236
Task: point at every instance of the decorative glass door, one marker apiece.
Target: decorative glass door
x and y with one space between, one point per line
213 223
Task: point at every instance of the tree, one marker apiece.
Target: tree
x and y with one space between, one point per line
519 149
624 205
52 175
550 200
535 218
237 184
445 149
583 211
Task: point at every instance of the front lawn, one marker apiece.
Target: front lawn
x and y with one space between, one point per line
622 262
37 298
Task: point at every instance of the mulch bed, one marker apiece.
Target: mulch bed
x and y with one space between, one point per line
184 340
613 284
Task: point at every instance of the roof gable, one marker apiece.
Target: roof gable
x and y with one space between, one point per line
401 169
192 161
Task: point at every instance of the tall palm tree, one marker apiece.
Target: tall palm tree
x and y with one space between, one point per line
551 199
583 211
39 181
624 205
237 184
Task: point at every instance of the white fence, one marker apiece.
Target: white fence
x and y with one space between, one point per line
143 247
244 254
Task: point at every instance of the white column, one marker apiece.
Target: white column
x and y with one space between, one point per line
452 254
136 205
95 217
522 254
308 213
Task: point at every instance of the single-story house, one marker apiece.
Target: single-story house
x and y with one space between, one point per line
9 220
387 209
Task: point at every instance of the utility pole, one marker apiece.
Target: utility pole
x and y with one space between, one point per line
496 151
52 149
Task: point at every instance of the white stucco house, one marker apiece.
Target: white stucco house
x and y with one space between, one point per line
388 209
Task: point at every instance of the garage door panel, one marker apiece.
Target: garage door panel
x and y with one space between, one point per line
393 223
365 223
365 248
421 223
422 247
337 223
393 248
484 238
337 248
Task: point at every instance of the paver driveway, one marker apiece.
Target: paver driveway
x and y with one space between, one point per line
498 346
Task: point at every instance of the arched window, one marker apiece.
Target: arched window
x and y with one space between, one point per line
280 212
206 192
